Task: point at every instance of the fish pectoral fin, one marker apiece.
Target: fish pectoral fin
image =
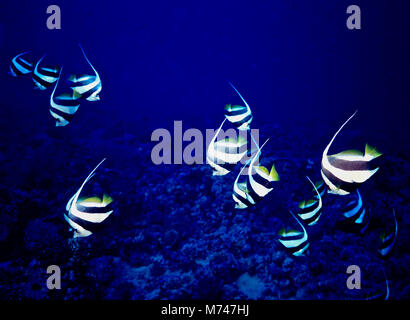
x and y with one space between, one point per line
372 151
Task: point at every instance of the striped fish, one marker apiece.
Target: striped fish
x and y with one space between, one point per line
356 215
388 239
320 186
20 66
223 155
343 172
311 210
45 76
64 106
259 182
296 242
87 86
85 214
239 116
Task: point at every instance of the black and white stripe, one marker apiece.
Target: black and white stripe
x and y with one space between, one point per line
85 215
345 171
388 240
259 182
239 116
355 214
64 106
296 242
320 186
310 211
20 66
223 155
45 76
87 86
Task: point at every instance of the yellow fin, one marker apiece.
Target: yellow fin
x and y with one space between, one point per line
372 151
263 169
274 174
349 153
76 95
90 199
302 204
311 201
107 199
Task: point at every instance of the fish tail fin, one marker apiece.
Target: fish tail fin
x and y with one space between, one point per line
372 151
274 174
76 95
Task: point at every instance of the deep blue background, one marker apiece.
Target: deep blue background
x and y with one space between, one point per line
295 62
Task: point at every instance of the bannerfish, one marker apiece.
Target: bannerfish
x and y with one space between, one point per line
296 242
222 155
343 172
86 86
239 116
356 215
381 295
311 210
85 214
259 182
20 66
64 106
45 76
388 239
320 186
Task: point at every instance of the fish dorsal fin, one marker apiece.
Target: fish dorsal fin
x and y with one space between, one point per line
85 56
274 174
337 132
91 174
240 96
371 152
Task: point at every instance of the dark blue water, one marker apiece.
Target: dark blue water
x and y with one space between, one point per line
175 233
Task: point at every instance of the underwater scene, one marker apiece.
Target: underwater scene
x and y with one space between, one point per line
204 150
